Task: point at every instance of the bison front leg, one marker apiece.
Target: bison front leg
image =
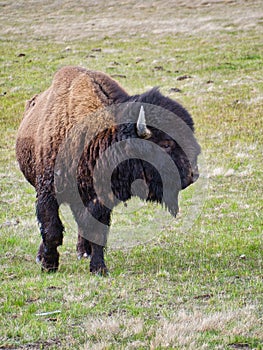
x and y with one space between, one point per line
51 229
97 264
93 227
86 249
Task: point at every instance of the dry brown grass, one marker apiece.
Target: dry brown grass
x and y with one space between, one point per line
66 21
183 331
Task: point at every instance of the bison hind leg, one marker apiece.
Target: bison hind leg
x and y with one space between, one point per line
83 246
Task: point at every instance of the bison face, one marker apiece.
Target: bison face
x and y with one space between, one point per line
169 172
183 148
161 151
188 170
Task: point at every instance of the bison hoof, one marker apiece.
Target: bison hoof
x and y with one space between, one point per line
49 269
83 249
50 262
99 270
83 256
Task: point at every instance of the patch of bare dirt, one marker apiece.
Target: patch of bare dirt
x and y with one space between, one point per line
65 21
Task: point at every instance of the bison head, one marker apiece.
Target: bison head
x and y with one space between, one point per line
151 144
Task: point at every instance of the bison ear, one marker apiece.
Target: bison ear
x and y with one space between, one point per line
142 129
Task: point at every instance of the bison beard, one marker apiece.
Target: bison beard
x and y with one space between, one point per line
61 144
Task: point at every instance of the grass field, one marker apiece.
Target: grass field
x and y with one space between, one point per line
198 284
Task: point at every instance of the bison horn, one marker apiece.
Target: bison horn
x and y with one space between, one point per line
142 129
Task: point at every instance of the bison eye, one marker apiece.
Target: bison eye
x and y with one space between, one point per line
167 145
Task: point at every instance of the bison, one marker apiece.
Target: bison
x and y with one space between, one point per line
65 149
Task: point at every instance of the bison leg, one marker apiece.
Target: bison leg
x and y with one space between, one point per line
93 223
40 253
97 264
51 229
83 246
86 249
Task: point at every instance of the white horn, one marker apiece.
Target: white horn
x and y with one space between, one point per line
142 129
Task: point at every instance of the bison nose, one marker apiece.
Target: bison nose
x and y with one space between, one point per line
195 173
190 177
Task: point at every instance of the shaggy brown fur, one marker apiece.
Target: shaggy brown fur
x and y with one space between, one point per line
48 118
50 115
75 94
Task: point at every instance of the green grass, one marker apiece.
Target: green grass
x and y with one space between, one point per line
198 283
